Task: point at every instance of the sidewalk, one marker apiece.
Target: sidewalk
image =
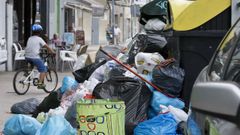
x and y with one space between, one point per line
8 97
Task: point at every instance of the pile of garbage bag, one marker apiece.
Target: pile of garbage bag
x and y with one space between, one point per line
129 91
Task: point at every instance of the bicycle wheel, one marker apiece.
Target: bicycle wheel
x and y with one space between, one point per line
51 62
51 81
21 82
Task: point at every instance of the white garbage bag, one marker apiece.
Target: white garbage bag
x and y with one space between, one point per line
155 24
90 84
178 114
145 62
80 62
130 74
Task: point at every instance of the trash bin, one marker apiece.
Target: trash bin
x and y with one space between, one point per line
197 46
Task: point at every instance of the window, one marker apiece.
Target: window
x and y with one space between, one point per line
233 71
224 54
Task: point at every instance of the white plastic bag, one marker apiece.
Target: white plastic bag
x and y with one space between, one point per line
57 111
145 62
178 114
155 24
67 98
109 66
81 62
130 74
101 73
81 93
91 84
98 73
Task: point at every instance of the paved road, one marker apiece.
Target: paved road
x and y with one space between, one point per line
8 97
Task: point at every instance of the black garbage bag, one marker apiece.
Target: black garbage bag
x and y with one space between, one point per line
116 71
149 43
157 43
84 73
71 115
52 101
138 44
155 9
25 107
110 49
169 79
134 93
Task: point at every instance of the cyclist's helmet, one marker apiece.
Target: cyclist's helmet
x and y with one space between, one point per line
37 27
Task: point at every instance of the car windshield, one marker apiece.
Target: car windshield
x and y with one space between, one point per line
224 53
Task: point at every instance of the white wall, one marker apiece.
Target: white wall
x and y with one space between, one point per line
87 26
102 31
2 26
52 18
3 18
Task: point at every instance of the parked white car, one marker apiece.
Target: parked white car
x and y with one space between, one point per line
215 99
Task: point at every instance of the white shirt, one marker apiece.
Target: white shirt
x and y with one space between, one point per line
34 44
117 31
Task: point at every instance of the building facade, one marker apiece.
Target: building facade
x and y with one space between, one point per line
61 16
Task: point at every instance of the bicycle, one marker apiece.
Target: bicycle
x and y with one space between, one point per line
29 76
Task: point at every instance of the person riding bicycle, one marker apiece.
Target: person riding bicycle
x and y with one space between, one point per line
32 53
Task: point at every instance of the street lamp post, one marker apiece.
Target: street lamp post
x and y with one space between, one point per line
113 20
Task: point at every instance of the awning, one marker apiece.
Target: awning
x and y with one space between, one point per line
188 14
77 5
97 3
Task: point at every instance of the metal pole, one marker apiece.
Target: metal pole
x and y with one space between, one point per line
58 16
132 19
9 33
135 23
123 27
113 20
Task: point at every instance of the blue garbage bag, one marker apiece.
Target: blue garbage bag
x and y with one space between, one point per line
56 125
21 125
161 99
160 125
193 127
68 83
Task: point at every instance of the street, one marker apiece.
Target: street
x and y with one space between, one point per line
8 97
